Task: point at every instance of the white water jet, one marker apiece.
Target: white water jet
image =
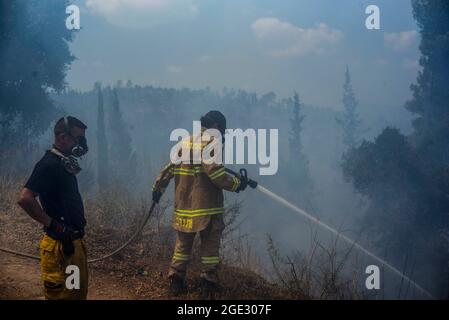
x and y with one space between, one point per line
340 235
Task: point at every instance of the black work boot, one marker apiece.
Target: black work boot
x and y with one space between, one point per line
209 289
177 285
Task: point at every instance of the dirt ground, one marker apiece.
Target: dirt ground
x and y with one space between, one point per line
20 279
138 272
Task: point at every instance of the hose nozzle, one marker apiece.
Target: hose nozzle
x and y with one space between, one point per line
244 174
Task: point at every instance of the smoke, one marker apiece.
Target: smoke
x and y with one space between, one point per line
338 234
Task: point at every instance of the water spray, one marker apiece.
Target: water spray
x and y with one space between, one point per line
253 184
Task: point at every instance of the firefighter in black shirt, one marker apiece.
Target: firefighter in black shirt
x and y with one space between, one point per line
60 211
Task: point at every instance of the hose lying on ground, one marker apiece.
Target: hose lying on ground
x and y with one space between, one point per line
123 246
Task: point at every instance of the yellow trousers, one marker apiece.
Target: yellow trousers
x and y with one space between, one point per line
209 250
56 267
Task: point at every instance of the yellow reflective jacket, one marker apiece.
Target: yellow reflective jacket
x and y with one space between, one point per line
198 189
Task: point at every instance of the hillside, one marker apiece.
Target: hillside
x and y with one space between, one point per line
138 272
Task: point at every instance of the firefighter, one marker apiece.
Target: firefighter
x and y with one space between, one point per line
198 208
60 210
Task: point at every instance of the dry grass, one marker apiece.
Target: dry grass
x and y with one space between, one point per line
113 216
141 268
323 272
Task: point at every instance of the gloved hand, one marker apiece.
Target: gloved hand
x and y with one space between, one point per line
157 194
61 230
65 234
243 184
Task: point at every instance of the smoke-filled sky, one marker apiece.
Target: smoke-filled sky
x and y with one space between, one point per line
256 45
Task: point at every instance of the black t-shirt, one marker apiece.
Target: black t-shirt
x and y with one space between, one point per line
58 191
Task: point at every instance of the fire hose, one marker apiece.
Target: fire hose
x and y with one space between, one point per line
338 234
123 246
243 174
253 184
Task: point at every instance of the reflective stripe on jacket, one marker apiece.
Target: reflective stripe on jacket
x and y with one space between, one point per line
198 190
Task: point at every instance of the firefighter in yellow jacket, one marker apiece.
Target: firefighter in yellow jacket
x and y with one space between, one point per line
198 208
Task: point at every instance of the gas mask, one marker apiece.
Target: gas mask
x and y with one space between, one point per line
70 163
81 148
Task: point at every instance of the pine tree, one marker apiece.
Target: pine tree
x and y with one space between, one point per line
350 122
122 156
34 60
405 177
430 101
295 139
298 176
102 144
430 105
